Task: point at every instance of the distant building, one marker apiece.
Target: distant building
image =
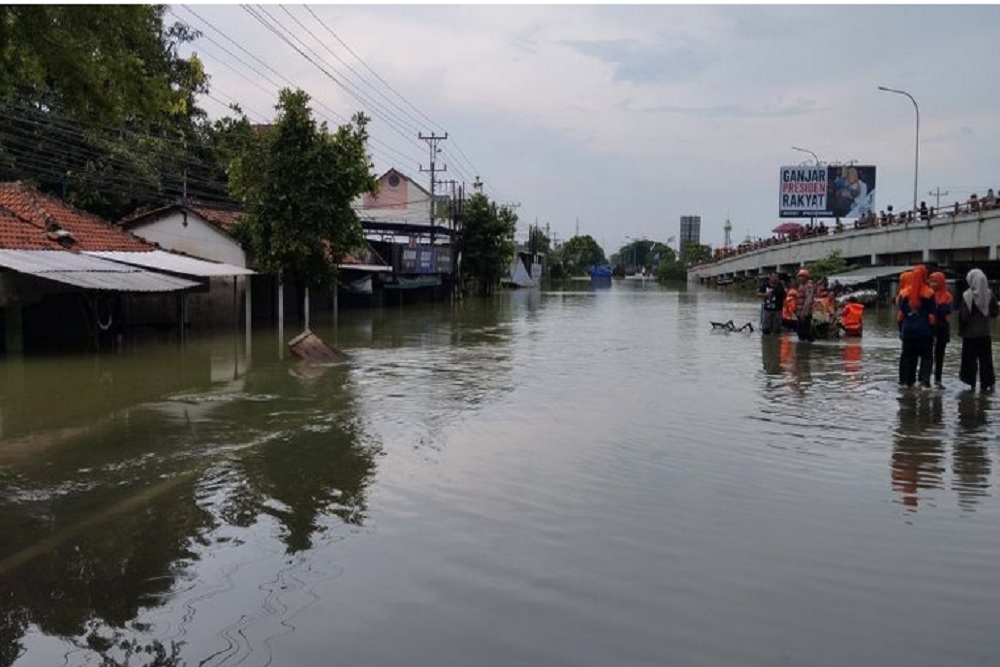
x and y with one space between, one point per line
690 231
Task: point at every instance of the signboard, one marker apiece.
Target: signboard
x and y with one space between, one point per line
826 191
425 258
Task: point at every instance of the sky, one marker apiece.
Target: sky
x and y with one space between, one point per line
617 120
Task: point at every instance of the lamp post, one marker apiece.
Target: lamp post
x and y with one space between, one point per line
812 219
916 149
806 150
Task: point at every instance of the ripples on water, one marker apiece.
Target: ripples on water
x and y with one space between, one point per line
559 477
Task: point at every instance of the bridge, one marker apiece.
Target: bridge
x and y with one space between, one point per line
951 241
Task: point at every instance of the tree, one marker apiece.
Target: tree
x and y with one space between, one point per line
97 105
580 253
692 252
487 241
297 182
830 265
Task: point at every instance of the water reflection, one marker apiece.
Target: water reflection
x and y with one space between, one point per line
116 472
970 456
918 450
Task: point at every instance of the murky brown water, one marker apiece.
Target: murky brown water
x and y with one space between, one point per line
561 477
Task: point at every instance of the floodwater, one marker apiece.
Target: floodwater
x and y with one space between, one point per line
543 478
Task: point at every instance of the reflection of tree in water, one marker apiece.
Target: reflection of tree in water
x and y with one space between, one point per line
68 569
315 467
917 450
105 526
970 457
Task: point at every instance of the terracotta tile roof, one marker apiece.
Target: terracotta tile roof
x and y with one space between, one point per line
41 214
16 234
222 218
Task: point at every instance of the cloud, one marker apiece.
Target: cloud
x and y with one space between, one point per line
635 62
800 108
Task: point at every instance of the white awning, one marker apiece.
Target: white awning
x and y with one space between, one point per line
160 260
88 272
370 268
866 274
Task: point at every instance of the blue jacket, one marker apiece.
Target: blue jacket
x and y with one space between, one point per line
916 322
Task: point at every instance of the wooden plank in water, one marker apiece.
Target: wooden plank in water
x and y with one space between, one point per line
310 347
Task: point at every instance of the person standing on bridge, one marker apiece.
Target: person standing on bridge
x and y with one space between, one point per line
806 294
977 308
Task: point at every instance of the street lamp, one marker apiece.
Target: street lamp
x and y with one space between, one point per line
812 219
806 150
916 149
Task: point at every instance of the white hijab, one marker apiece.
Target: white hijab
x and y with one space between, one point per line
979 292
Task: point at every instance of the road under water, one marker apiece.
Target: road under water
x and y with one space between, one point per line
545 477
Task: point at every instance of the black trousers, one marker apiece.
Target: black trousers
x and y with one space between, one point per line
916 351
806 328
940 342
977 353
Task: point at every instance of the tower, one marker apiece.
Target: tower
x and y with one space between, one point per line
728 228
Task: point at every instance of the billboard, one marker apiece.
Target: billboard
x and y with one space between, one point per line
826 191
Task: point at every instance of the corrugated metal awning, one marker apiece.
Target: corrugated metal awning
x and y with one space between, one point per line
370 268
866 274
161 260
89 272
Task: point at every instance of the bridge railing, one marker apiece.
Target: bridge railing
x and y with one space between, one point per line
884 221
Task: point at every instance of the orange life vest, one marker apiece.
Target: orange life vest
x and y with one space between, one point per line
788 312
852 317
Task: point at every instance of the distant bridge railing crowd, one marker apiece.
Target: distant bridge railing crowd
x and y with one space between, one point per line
884 219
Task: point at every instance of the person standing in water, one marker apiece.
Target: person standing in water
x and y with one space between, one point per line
917 307
804 305
773 296
942 329
975 312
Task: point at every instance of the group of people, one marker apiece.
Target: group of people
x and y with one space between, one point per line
808 308
924 307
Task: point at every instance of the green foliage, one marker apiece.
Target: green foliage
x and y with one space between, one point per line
487 241
696 252
669 266
538 241
579 254
101 64
830 265
96 105
640 253
297 182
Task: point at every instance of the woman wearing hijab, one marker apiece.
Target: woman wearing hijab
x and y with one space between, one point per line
917 329
903 293
942 330
977 308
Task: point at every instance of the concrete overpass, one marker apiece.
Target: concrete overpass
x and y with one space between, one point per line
955 242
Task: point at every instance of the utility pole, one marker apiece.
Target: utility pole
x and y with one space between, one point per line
432 142
937 194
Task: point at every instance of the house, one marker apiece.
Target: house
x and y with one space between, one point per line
53 294
203 232
68 278
397 224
